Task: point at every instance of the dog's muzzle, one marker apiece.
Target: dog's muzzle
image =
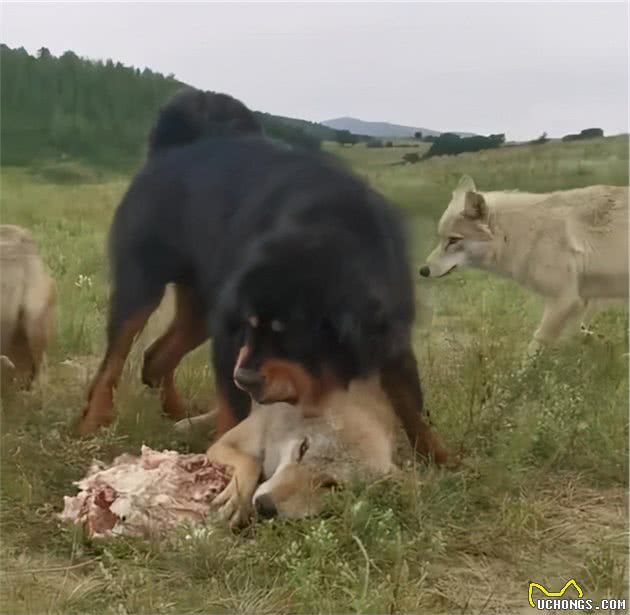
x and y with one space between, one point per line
250 381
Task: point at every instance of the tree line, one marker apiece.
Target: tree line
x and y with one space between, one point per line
98 111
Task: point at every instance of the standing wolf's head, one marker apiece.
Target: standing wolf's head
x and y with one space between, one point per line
464 233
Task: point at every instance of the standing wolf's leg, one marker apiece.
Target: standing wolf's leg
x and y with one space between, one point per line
590 307
132 302
557 313
185 333
401 383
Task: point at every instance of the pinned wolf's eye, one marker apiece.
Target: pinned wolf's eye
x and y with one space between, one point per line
303 448
452 241
329 483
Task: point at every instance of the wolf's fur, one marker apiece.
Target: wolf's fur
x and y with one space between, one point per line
569 246
283 461
27 304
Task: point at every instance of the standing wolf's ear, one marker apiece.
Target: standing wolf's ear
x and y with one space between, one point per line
475 206
465 184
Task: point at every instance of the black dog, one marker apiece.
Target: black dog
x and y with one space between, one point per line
295 268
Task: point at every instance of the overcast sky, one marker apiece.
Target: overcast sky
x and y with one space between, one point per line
483 67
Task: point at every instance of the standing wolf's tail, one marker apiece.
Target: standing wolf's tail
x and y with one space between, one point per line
193 114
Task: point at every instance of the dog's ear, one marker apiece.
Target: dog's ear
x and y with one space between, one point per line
465 184
475 206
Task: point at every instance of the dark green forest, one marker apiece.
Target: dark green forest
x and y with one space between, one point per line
99 112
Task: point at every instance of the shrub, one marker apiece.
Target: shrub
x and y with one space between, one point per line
372 143
345 137
411 157
541 140
587 133
450 144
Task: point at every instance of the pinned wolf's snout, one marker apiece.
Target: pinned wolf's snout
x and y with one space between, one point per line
425 271
265 506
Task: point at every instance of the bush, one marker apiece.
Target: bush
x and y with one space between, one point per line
411 157
346 137
450 144
541 140
571 137
587 133
591 133
389 144
374 143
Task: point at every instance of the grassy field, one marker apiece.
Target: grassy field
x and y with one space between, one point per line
541 496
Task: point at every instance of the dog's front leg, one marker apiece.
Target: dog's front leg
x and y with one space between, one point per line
401 383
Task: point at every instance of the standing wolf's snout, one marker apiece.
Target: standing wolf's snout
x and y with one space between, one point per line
425 271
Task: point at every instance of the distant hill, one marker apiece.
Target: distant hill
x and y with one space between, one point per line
382 129
314 129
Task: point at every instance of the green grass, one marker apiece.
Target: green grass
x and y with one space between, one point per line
541 495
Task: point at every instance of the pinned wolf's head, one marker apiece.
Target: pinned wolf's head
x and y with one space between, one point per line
355 438
465 236
310 461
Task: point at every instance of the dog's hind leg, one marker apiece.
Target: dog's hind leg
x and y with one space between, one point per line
401 383
133 300
233 404
185 333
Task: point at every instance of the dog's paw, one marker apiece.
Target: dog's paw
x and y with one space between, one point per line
186 426
232 506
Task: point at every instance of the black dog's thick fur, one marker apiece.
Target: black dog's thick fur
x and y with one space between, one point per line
254 229
192 115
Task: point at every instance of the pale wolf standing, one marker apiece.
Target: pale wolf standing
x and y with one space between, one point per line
569 246
27 308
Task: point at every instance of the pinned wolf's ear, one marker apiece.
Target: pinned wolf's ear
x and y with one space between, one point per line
475 206
465 184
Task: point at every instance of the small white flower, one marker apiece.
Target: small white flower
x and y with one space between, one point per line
83 281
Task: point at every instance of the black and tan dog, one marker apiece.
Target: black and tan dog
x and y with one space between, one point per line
295 268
